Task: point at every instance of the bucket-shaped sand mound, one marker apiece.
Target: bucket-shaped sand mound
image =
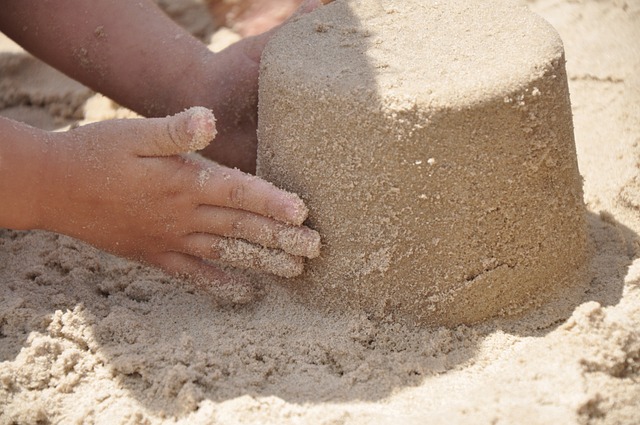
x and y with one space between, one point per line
433 143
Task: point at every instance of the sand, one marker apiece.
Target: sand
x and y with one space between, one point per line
457 196
88 338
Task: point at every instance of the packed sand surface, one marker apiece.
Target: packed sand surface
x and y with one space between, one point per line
457 196
89 338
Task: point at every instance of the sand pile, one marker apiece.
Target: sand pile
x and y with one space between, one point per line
441 171
89 338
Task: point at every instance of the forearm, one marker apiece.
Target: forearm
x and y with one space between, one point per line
134 54
22 169
128 50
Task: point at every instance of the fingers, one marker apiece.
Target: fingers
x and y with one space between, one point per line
244 255
295 240
187 131
225 288
234 189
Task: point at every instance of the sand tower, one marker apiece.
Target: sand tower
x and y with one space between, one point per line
433 143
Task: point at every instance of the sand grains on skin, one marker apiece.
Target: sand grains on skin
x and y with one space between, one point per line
244 255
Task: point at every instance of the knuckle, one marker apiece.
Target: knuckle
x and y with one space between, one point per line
237 225
237 195
234 227
174 138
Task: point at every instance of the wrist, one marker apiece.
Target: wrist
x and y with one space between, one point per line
22 175
219 81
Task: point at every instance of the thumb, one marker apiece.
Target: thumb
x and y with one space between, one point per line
187 131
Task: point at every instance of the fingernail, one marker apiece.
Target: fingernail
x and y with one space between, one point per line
300 241
201 127
295 209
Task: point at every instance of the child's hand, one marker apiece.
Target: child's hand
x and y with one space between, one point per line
233 95
125 187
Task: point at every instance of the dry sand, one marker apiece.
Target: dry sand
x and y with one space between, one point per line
88 338
457 195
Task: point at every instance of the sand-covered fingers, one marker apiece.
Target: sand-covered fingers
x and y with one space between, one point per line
243 255
187 131
295 240
231 188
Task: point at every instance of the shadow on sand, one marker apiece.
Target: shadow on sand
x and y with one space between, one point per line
171 348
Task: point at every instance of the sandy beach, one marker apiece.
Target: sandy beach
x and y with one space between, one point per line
86 337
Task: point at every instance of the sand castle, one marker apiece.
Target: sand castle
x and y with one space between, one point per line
433 143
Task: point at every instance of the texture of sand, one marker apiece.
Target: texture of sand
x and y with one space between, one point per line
457 196
88 338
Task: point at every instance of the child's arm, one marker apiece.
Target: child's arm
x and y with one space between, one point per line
133 53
